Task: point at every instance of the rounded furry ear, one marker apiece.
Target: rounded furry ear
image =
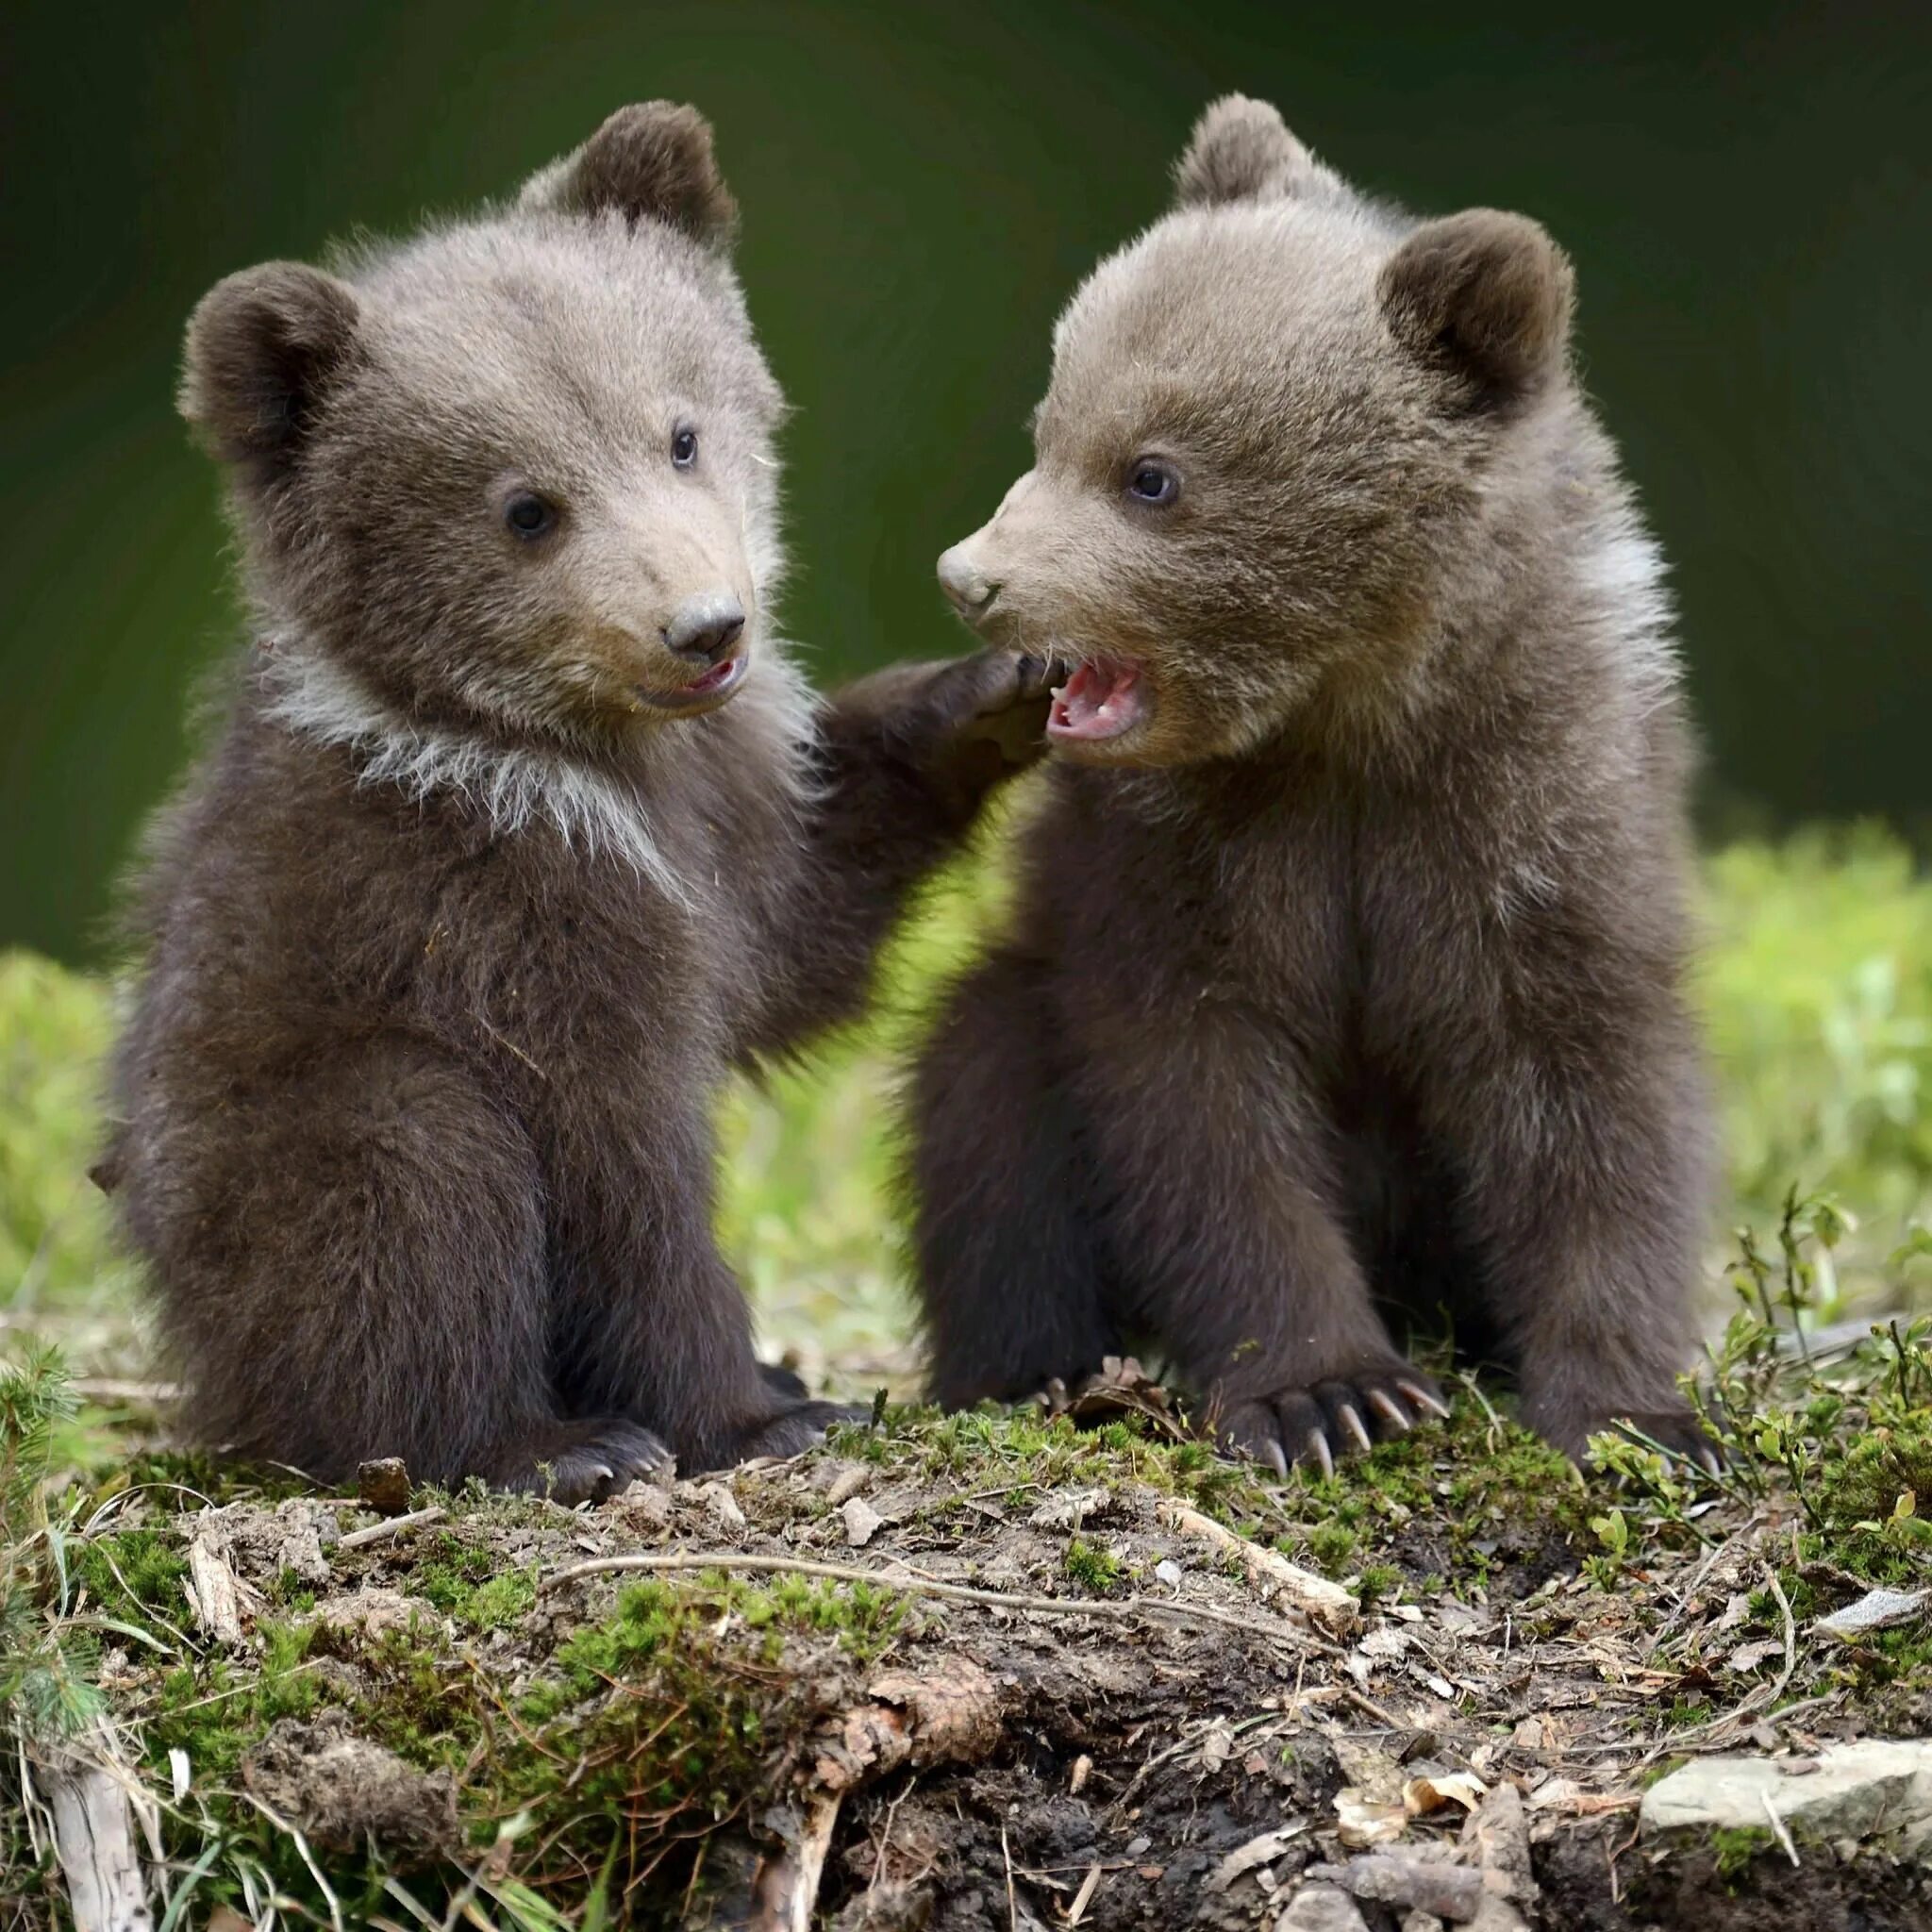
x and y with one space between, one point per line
263 348
652 160
1241 150
1486 296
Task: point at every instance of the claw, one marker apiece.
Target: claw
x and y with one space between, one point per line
1352 1422
1430 1405
1317 1447
1708 1460
1390 1411
1277 1455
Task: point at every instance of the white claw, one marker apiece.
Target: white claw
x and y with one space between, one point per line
1317 1447
1352 1422
1390 1412
1277 1455
1421 1398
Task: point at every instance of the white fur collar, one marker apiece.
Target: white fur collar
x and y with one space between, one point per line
513 786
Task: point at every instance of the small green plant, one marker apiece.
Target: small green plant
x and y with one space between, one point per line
46 1692
1735 1848
1092 1567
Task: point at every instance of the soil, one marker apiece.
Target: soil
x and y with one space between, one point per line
1141 1732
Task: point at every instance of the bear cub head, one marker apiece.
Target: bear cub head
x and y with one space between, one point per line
512 480
1275 426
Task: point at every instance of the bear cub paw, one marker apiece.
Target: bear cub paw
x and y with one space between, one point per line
1340 1415
586 1461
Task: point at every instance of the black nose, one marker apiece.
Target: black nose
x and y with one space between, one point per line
705 627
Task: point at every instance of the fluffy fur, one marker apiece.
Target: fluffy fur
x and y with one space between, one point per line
1344 982
488 881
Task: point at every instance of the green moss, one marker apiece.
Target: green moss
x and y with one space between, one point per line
135 1570
1093 1569
1735 1848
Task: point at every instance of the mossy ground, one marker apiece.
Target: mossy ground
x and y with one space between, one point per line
618 1745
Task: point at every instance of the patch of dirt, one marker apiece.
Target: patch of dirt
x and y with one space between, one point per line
341 1792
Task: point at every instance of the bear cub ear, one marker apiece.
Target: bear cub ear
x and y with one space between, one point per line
263 348
1242 150
652 160
1483 296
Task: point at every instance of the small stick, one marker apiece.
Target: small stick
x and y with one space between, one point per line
1077 1910
912 1586
1778 1825
391 1526
1323 1603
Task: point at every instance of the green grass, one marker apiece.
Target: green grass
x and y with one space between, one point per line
1816 981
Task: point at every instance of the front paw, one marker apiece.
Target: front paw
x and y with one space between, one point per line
999 700
585 1461
1340 1415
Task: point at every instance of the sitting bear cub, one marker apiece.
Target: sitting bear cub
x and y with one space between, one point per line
1346 977
521 832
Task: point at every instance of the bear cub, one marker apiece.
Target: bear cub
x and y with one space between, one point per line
520 833
1344 984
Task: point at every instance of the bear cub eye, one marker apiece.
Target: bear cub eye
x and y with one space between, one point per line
528 515
1153 481
684 448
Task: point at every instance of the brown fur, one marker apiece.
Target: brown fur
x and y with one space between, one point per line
1345 984
450 941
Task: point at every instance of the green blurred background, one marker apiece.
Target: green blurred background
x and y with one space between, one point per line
1744 188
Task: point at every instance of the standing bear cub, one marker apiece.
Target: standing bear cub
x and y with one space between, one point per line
1344 980
521 832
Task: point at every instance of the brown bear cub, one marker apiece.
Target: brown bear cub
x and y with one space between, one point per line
1345 977
521 832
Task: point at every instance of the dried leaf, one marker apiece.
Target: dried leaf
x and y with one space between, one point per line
1360 1822
1258 1850
1422 1795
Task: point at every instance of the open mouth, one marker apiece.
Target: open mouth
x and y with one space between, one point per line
1100 701
716 685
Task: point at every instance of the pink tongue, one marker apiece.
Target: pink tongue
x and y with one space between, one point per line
1099 701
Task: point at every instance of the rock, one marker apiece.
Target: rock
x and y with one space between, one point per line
1321 1908
1849 1790
384 1485
862 1521
1420 1922
1877 1609
1396 1878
